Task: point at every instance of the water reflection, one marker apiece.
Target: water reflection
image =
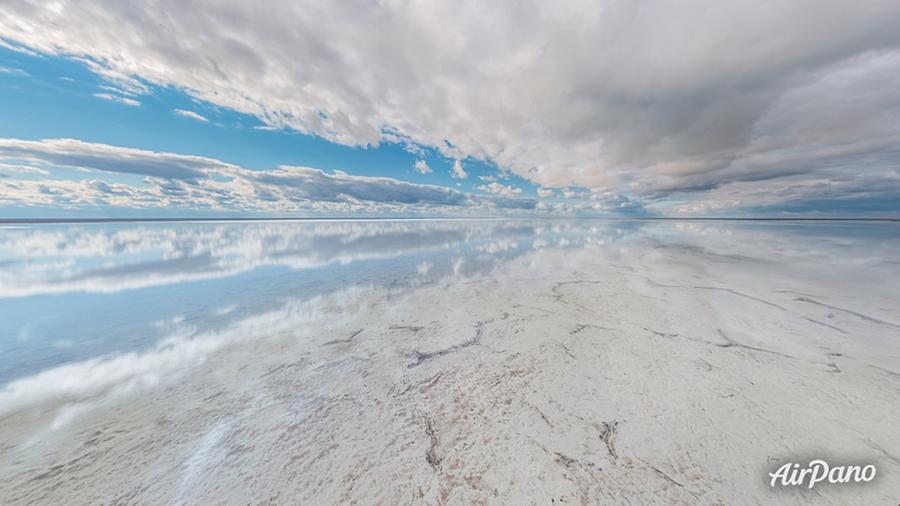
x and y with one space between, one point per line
69 293
190 353
73 292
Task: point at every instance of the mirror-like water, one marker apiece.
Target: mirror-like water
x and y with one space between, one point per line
204 348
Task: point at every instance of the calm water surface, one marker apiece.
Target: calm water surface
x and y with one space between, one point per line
70 293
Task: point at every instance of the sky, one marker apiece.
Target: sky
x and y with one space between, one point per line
438 108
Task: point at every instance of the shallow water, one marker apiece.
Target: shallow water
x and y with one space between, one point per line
73 292
95 316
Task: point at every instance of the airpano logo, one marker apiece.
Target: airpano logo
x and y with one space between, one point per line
818 471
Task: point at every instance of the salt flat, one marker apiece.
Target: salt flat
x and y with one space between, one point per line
663 363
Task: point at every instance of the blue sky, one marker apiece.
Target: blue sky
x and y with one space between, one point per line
46 104
48 97
187 109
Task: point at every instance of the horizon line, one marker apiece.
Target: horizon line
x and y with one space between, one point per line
62 221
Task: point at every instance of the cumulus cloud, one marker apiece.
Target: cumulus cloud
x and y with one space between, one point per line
191 114
193 182
652 98
544 192
457 172
422 167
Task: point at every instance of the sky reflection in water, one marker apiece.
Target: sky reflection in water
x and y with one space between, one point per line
73 292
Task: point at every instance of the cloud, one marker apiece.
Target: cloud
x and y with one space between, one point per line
103 157
313 184
544 192
23 169
654 98
114 89
193 182
457 172
191 114
117 98
14 72
500 189
422 167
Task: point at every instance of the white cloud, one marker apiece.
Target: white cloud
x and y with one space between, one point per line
14 71
114 89
22 169
193 182
118 98
544 192
646 97
191 114
422 167
500 189
103 157
457 172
